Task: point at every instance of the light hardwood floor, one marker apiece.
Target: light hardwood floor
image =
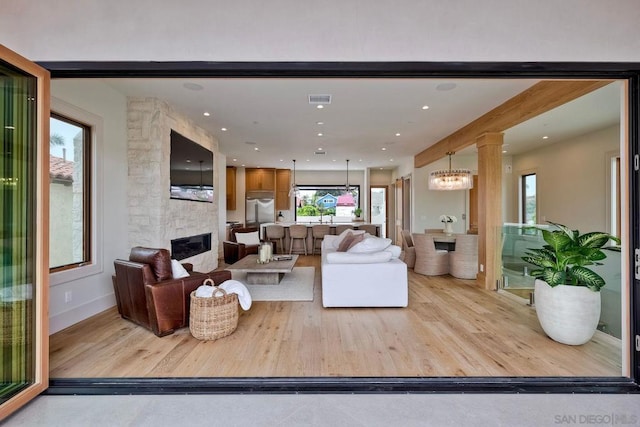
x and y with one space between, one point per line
451 328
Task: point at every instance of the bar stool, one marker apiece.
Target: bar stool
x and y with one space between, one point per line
298 232
318 232
369 228
275 233
342 227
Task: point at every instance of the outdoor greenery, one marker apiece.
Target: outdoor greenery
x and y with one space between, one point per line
563 259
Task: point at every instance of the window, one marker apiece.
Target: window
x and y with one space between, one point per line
70 195
326 203
529 205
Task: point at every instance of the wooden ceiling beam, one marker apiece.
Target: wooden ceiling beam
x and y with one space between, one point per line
538 99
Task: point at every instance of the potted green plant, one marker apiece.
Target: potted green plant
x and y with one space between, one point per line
567 293
357 212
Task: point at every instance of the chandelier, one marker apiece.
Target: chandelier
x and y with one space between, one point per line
347 188
294 191
451 179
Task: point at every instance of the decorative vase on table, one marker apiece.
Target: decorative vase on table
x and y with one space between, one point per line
448 228
448 221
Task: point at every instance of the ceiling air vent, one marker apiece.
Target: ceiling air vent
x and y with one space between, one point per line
319 99
321 153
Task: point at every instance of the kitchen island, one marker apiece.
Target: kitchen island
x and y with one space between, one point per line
332 230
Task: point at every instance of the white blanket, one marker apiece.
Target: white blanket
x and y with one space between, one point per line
230 287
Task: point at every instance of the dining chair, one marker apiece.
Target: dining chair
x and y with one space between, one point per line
429 260
409 249
463 262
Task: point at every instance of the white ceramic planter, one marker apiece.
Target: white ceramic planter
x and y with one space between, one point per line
567 314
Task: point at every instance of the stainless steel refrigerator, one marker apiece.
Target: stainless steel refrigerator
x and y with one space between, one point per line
259 208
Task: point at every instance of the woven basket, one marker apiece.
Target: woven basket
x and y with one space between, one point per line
215 317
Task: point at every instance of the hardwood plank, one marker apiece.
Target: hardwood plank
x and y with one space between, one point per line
450 328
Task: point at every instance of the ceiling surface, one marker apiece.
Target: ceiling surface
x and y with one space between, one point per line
372 122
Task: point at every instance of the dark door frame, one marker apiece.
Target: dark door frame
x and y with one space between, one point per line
587 70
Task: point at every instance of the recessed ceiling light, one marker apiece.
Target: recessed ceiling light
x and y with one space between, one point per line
319 107
235 160
319 123
281 160
256 148
398 134
425 107
320 133
224 129
381 168
188 161
360 160
391 160
384 148
192 86
307 160
206 114
504 151
242 165
334 160
320 148
545 137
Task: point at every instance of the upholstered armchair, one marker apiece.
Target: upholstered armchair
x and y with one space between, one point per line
148 294
235 250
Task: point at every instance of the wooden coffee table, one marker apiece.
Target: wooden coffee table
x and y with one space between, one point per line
263 274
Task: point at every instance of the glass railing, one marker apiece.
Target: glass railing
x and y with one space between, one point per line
518 238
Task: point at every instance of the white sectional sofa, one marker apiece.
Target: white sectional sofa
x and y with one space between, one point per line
364 276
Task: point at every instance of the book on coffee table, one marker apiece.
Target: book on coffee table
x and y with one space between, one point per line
282 257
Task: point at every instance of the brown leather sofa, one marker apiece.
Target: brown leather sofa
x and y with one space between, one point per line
147 293
234 251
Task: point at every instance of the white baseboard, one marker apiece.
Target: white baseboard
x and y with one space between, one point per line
77 314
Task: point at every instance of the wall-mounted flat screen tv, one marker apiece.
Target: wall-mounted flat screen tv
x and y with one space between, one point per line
191 170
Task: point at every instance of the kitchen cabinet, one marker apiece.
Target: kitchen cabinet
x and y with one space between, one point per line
260 179
231 188
283 184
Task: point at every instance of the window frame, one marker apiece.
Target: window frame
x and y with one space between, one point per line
320 187
523 196
629 72
93 204
87 178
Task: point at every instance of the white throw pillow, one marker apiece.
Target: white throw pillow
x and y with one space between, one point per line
341 236
177 270
395 251
248 238
370 244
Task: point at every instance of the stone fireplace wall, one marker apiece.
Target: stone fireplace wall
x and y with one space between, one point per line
154 218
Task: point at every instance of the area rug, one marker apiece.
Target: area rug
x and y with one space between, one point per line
294 286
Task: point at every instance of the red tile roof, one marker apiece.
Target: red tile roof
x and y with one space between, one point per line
60 168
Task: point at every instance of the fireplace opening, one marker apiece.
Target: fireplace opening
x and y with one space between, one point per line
186 247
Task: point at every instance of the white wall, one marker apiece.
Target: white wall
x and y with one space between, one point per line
94 293
428 205
570 180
